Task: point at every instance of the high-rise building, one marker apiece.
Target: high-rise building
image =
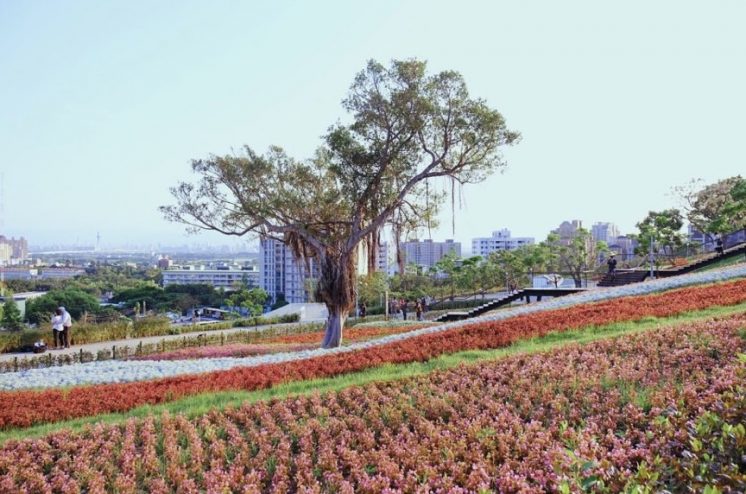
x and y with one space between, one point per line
500 240
426 253
13 251
568 230
605 232
282 273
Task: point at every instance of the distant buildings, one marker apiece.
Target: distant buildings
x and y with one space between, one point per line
281 274
23 273
226 278
164 262
500 240
426 253
12 251
605 232
568 230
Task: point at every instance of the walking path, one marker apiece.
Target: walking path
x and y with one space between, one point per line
132 343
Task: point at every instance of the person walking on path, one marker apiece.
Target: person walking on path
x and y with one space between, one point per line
57 328
611 263
67 324
404 309
418 310
719 246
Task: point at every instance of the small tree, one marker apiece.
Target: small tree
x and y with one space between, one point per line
582 253
662 228
11 318
733 213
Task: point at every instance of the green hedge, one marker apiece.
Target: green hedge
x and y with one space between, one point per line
81 334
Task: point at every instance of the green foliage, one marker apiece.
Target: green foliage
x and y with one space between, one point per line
581 253
39 310
710 209
253 300
663 229
371 288
732 215
11 318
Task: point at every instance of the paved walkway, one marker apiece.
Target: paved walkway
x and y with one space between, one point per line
132 343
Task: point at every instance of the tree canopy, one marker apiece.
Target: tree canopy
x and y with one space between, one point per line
407 129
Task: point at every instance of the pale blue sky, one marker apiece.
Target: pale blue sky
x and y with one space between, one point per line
103 104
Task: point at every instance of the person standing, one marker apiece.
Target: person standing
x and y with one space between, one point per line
67 324
57 328
404 303
611 263
418 310
719 246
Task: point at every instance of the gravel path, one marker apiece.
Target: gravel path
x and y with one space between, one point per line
127 371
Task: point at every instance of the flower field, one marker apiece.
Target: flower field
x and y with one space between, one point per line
24 408
660 411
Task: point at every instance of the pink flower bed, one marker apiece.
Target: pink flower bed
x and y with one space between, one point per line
606 416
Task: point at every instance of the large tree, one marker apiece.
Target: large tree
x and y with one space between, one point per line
407 130
704 206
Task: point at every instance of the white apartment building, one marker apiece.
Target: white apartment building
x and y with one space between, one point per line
225 278
426 253
605 232
281 273
500 240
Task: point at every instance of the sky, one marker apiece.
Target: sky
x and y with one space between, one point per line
104 104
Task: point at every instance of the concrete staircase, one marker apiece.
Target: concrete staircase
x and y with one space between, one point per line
526 294
627 276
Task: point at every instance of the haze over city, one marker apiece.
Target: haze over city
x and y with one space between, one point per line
105 104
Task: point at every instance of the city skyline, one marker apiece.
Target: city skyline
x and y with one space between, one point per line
105 105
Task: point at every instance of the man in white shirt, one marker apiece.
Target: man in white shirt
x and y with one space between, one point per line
57 328
67 323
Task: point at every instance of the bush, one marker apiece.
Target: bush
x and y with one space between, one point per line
151 326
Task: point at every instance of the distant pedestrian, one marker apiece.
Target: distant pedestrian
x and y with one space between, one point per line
57 328
418 310
719 246
363 309
611 263
67 324
404 309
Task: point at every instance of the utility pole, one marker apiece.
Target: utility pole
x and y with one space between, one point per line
652 259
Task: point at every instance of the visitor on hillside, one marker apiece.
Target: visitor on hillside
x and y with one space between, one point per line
611 263
719 246
418 310
67 324
57 328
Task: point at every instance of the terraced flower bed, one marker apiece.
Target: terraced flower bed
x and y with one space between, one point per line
645 413
23 408
277 344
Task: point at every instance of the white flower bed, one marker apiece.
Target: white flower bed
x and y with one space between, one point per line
113 371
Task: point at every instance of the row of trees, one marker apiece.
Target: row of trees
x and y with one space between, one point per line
452 276
713 209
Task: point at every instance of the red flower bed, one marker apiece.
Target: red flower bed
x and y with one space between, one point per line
659 412
24 408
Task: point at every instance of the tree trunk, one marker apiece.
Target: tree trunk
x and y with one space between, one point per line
336 289
334 325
